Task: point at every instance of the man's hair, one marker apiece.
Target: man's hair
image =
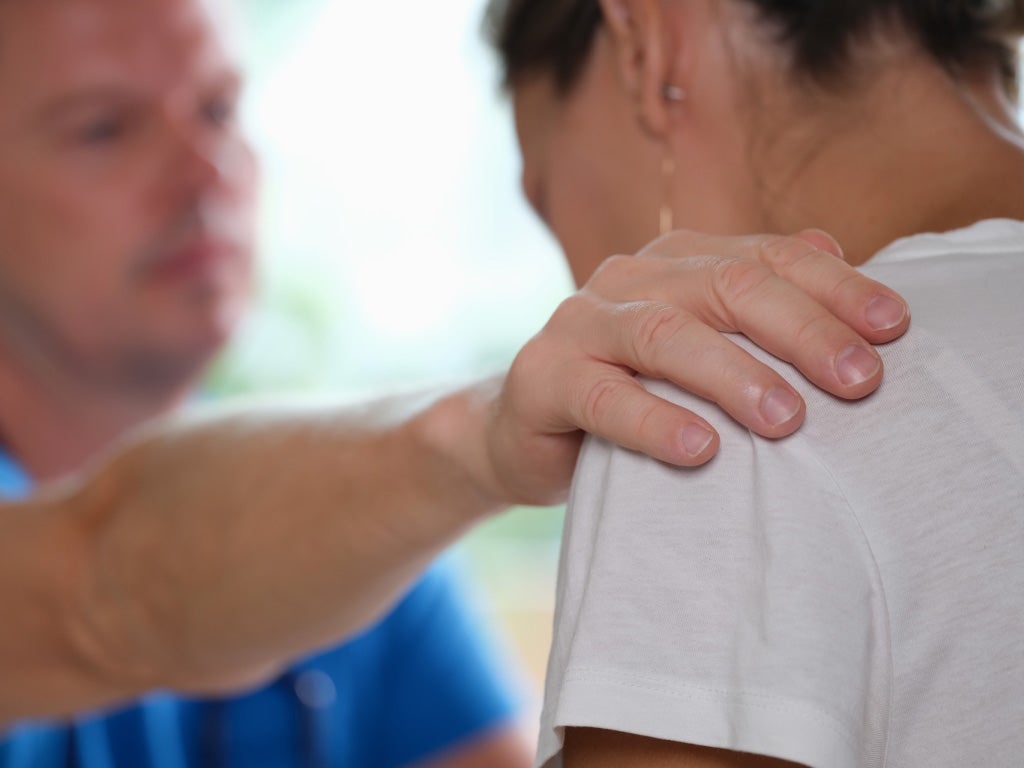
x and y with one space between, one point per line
554 37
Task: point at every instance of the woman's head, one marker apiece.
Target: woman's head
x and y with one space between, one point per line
554 37
597 87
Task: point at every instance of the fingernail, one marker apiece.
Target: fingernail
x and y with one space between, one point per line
856 365
779 406
696 439
884 313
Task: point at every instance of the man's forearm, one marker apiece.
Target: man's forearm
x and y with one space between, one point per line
204 557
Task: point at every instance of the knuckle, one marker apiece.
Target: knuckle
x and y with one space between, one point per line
850 282
787 253
527 361
542 355
678 243
568 306
735 280
570 310
657 328
779 248
600 397
648 419
541 361
611 271
618 261
705 263
814 331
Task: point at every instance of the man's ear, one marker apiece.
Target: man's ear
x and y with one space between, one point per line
640 40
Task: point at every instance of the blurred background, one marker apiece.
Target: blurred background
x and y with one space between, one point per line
396 249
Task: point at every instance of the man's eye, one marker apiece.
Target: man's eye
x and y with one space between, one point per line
99 132
219 111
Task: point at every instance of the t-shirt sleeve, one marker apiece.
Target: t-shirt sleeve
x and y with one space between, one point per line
735 606
447 680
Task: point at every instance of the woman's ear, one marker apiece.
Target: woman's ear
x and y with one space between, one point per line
641 42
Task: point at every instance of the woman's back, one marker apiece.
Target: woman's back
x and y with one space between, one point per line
850 597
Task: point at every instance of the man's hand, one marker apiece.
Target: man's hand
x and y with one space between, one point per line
662 314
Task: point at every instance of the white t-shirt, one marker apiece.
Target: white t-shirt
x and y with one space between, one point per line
849 597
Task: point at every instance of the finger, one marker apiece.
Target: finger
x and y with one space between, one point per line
734 294
780 318
612 404
875 311
665 342
809 261
822 241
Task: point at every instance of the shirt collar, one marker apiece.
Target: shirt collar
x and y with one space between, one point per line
991 236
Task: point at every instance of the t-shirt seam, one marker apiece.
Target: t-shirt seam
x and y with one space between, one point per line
695 692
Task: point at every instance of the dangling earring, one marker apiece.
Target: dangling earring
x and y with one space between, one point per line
673 92
666 216
668 172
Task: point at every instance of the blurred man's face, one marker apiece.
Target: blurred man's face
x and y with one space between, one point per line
126 189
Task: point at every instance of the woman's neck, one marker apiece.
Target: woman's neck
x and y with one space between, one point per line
915 152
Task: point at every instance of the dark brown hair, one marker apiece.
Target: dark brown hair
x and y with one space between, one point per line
554 37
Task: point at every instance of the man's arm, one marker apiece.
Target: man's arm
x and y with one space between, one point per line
207 554
592 748
204 556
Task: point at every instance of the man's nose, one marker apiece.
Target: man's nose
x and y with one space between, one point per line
203 158
206 156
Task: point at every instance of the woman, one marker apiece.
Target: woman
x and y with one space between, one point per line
855 599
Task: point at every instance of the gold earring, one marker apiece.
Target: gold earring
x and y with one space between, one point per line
666 216
668 172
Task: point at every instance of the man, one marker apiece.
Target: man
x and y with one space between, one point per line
127 245
207 557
